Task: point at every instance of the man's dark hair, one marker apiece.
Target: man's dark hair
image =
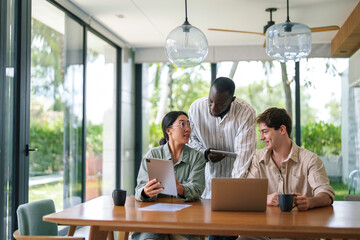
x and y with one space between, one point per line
275 117
224 84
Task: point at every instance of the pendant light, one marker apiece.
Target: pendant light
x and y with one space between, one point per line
288 41
186 45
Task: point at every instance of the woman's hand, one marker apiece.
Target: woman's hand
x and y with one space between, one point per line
180 188
152 189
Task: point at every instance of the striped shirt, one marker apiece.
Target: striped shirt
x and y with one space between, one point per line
235 132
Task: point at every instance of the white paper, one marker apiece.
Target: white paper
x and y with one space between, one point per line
165 207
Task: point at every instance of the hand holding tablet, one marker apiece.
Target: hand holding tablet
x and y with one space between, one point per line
163 171
228 154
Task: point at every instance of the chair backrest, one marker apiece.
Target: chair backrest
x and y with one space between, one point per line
354 179
352 198
30 218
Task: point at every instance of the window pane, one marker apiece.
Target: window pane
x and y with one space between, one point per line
262 84
6 145
73 112
321 113
171 89
100 117
55 106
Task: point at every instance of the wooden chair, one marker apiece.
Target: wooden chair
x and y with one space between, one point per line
125 236
32 227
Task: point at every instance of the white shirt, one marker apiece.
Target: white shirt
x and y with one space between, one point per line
235 132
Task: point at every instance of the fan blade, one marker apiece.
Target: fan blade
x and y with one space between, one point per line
325 29
235 31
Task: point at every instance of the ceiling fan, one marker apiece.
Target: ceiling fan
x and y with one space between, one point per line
271 22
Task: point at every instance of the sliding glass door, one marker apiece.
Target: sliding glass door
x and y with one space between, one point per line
75 139
56 106
100 117
52 145
7 89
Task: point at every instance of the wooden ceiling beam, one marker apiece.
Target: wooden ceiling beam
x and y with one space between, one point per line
347 41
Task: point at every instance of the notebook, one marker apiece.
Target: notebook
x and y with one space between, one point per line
239 194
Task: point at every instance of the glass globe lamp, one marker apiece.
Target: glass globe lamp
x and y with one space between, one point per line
288 41
186 46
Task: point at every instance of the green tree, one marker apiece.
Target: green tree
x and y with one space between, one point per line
335 115
48 139
322 138
47 63
94 140
185 86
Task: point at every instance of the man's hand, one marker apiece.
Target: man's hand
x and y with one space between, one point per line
215 157
302 202
180 188
152 189
273 200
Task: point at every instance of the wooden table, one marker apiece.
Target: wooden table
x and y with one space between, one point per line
341 220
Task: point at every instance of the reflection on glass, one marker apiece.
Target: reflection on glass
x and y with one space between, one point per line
100 117
73 113
55 106
6 149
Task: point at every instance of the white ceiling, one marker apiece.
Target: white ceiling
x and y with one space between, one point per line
145 23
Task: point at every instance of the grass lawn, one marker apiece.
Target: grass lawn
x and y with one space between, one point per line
55 191
340 190
52 191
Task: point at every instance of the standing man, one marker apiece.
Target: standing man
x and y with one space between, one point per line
223 122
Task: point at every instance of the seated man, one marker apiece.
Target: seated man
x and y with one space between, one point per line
288 167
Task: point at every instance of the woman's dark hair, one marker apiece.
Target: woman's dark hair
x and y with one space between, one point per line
167 121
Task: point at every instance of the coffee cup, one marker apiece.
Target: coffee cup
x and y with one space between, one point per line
286 202
119 197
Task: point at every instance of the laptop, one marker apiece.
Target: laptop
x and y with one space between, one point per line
239 194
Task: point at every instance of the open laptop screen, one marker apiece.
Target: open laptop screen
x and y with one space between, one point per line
239 194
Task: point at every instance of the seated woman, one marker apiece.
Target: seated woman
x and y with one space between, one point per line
189 166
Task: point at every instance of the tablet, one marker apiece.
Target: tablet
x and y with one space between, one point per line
229 154
163 171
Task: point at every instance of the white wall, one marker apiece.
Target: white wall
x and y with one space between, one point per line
350 131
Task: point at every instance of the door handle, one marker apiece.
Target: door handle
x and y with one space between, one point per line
28 149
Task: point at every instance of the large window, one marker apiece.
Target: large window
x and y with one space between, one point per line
100 117
267 84
55 106
173 89
57 117
57 126
321 86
